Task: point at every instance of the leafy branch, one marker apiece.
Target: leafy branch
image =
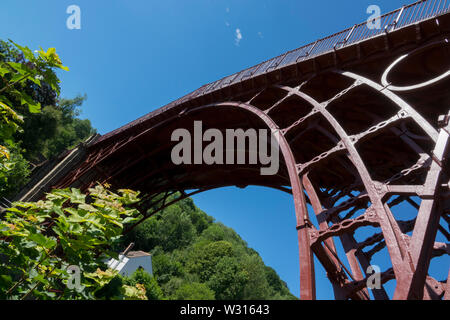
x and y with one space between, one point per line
82 229
36 67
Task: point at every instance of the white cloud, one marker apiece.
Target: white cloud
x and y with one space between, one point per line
227 10
238 37
260 34
227 23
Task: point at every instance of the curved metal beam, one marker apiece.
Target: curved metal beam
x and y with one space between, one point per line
307 281
391 231
424 124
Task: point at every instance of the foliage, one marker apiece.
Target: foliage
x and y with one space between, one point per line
171 287
35 68
38 241
191 252
34 123
54 130
193 291
172 230
257 285
229 279
111 286
205 257
141 277
167 268
13 171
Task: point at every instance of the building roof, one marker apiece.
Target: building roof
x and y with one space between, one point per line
137 254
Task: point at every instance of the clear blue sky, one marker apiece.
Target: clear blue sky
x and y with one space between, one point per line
133 56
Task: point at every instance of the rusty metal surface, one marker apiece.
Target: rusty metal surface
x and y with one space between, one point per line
364 128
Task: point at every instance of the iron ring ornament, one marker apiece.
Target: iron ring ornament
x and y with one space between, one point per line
386 83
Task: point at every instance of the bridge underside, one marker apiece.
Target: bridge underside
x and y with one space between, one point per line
363 132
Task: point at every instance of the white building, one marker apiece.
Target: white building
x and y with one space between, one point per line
131 261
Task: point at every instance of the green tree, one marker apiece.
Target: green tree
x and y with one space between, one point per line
211 254
175 229
152 289
24 76
214 232
257 287
193 291
34 123
172 286
199 219
278 288
166 267
170 229
145 235
206 256
55 129
14 172
229 279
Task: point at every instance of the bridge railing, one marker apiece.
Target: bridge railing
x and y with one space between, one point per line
402 17
405 16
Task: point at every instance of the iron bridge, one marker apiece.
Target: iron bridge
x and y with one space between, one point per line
363 123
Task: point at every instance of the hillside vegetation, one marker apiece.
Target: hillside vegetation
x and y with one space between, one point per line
197 258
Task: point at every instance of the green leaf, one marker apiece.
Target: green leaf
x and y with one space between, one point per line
35 80
40 278
14 210
20 68
42 240
87 207
33 106
5 279
77 196
72 211
27 53
4 71
129 220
